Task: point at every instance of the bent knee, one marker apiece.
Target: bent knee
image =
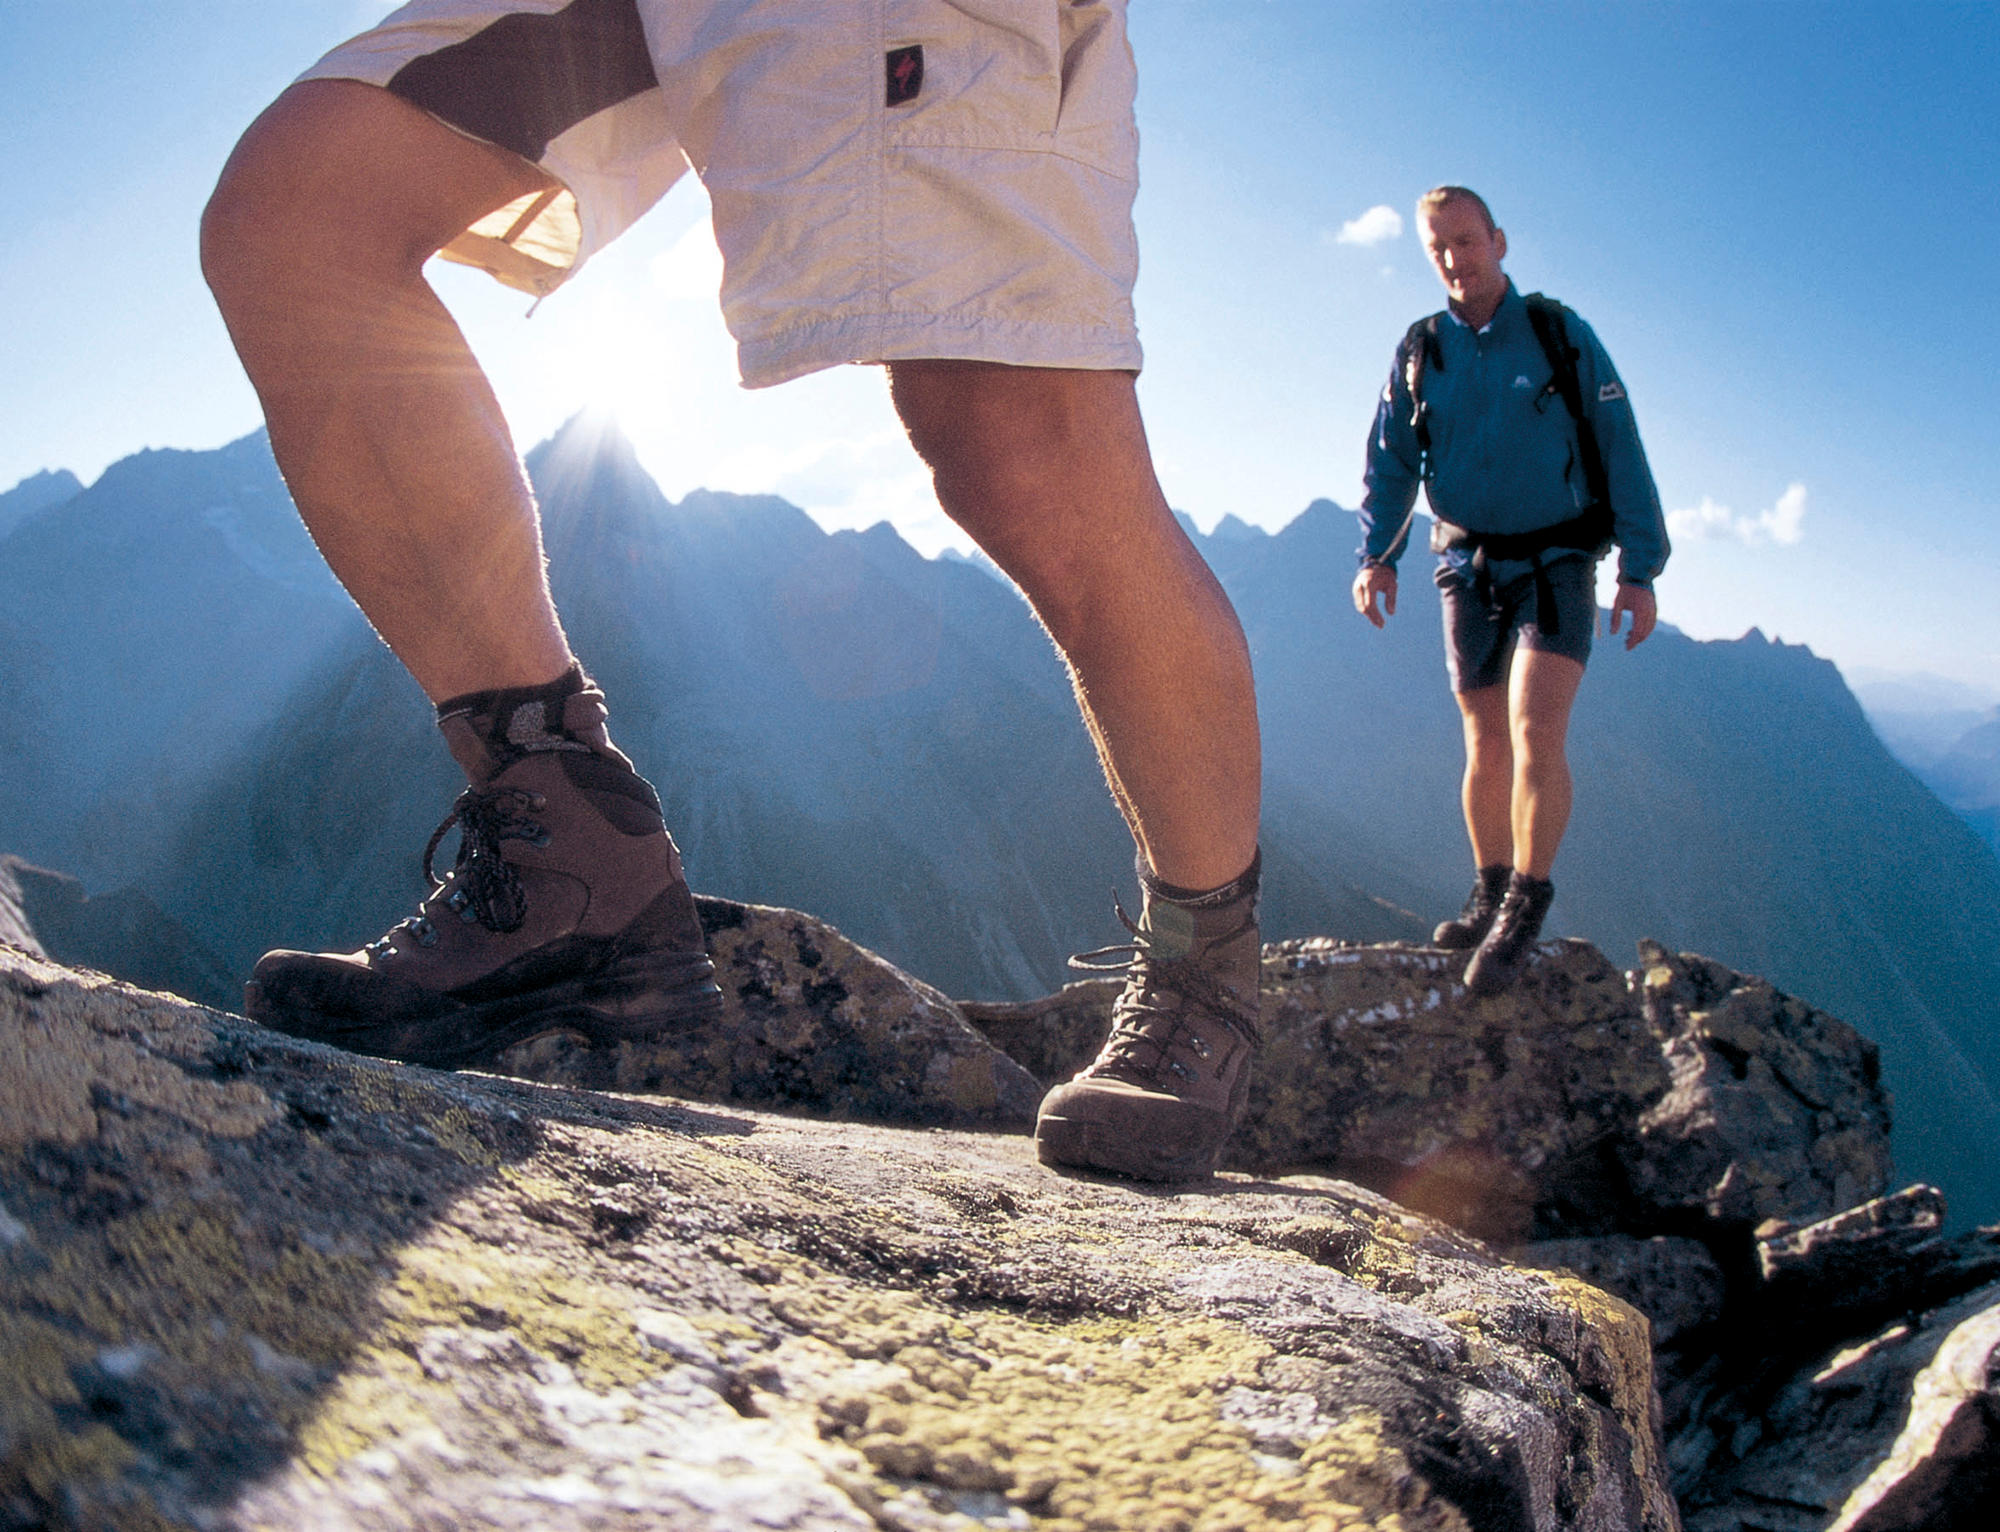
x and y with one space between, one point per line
338 174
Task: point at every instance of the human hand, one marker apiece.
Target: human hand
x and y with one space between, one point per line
1374 580
1644 611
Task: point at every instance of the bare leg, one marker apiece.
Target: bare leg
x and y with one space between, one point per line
387 432
1542 689
1488 790
1049 471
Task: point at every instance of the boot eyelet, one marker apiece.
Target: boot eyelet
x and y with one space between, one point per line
426 934
1181 1069
1201 1048
540 840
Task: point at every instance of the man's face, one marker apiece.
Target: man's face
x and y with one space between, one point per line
1467 256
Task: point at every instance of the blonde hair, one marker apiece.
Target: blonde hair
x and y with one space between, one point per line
1438 196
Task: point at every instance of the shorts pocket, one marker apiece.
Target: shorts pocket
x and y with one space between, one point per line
1051 76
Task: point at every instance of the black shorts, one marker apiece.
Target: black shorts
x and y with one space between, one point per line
1479 634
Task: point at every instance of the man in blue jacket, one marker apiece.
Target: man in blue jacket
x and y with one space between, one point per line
1531 475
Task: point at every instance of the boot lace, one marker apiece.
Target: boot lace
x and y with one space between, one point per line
485 886
1155 1012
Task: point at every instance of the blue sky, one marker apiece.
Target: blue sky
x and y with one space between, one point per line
1780 217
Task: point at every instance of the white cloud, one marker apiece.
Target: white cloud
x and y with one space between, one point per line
1377 226
1783 523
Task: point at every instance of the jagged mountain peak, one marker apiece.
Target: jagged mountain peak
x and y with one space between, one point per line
1321 525
37 493
1233 528
752 516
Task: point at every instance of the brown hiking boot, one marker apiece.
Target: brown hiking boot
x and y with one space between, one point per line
1476 919
565 909
1508 946
1171 1082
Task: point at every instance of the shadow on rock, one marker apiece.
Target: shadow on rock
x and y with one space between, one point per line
200 1224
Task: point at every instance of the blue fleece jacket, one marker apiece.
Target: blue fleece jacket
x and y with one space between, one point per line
1503 454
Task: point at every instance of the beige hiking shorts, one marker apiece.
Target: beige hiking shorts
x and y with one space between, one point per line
890 178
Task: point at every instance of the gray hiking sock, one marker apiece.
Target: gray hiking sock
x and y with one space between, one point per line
1184 920
488 731
526 717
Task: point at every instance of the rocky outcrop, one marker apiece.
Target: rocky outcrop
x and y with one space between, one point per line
249 1282
926 1330
1944 1470
812 1023
1585 1101
1683 1136
1776 1109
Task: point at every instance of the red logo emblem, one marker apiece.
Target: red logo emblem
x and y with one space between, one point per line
906 74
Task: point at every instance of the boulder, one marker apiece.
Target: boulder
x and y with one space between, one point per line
1053 1037
1843 1275
247 1281
1776 1109
1893 1430
1943 1472
1493 1113
1801 1385
810 1022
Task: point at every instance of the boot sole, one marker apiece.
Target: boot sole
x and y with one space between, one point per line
1078 1144
636 1000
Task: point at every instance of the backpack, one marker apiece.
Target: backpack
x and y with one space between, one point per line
1591 528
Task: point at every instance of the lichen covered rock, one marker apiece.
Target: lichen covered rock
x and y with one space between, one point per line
249 1282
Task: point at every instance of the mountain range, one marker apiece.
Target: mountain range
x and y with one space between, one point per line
838 724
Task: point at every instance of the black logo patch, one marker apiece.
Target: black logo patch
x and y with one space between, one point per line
906 74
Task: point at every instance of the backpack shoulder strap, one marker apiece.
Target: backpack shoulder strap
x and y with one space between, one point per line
1550 319
1417 353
